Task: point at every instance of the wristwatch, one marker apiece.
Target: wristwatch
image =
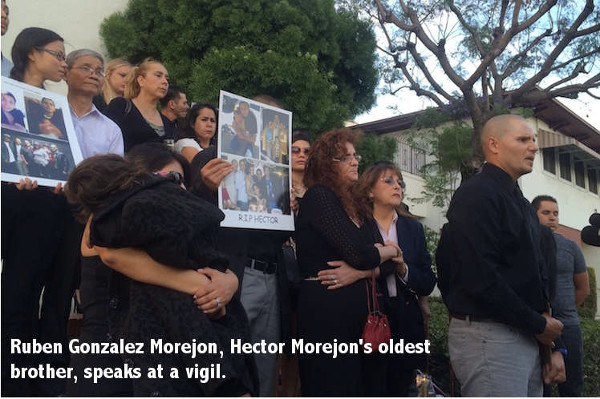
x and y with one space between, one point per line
561 350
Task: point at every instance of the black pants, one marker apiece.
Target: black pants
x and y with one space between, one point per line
40 248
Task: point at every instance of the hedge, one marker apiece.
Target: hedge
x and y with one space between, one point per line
440 360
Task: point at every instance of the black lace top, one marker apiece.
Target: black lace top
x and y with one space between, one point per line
172 225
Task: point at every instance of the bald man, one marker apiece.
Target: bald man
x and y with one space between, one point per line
493 274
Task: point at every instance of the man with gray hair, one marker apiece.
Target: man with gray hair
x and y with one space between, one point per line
96 133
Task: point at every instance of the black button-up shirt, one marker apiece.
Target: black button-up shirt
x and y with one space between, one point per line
489 260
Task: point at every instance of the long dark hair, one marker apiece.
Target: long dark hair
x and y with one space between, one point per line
27 40
320 168
190 120
91 183
150 157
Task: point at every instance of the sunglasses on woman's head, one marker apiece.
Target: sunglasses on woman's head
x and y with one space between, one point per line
172 175
297 150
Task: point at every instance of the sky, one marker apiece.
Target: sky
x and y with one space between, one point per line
406 101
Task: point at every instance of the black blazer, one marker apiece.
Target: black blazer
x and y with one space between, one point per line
403 311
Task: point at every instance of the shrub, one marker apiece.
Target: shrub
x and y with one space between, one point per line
590 329
439 365
590 305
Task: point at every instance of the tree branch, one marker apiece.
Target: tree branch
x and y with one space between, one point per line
469 28
437 49
415 86
589 93
499 44
579 57
518 60
432 81
558 49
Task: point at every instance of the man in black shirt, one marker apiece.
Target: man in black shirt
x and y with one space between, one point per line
492 273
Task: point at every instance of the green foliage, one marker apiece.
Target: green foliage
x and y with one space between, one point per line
318 60
590 329
440 359
374 148
590 304
432 238
446 138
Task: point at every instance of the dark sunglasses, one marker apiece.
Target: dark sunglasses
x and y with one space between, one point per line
391 181
297 150
172 175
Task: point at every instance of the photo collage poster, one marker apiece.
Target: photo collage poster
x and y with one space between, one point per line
38 137
256 139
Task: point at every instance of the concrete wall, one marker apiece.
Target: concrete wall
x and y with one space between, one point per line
77 21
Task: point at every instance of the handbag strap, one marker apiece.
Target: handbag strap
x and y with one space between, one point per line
373 294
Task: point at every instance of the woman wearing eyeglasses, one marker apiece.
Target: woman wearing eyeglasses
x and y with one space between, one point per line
328 229
134 229
381 190
33 222
199 130
136 113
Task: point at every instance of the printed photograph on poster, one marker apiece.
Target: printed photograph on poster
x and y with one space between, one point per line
38 138
255 138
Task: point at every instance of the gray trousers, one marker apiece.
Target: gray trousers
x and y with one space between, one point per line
493 359
261 301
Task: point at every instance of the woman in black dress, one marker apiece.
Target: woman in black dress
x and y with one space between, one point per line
133 209
328 230
136 113
380 191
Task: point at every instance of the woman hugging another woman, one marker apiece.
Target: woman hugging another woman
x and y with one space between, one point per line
141 222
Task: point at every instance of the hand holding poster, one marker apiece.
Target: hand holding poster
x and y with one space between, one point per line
38 137
256 139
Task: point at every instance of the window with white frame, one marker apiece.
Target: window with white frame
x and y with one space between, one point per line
593 179
549 158
579 169
409 158
564 161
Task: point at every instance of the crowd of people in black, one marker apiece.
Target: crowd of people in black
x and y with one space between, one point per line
136 232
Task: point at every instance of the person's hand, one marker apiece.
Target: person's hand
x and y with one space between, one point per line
218 314
211 298
26 184
554 372
59 189
552 330
214 172
294 204
341 275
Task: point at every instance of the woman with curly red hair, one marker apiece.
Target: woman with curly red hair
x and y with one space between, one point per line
328 230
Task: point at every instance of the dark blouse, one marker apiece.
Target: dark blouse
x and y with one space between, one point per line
134 126
176 228
172 225
326 233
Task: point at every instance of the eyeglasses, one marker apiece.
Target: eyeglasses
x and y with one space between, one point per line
391 181
172 175
90 70
59 55
298 150
348 158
